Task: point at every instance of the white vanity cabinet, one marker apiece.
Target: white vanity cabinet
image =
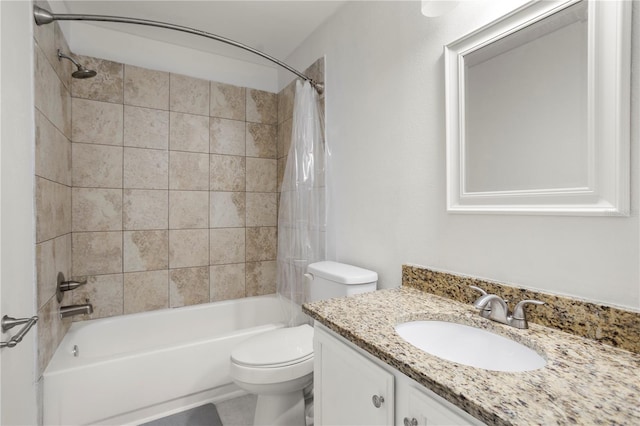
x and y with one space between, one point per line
348 388
351 387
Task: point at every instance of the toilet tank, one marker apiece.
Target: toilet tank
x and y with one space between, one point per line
332 279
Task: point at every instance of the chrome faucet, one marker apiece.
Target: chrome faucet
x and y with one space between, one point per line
495 308
71 310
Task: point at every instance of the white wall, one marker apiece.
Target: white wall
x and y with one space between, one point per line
17 224
386 126
99 42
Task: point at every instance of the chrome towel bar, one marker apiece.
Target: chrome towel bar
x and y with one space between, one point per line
8 323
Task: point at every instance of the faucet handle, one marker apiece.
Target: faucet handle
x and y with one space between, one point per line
519 317
485 311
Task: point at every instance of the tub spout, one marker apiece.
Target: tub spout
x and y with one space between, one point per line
71 310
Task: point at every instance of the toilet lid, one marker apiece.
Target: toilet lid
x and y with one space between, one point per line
277 348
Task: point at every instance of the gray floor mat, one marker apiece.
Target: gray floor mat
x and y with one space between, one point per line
205 415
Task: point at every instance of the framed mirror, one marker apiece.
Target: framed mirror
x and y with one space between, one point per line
537 107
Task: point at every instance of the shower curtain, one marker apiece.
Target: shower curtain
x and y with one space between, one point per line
302 211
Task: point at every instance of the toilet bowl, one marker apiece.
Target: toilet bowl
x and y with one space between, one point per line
278 365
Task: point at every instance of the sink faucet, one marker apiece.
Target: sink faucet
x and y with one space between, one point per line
495 308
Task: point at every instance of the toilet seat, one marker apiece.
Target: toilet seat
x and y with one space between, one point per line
276 356
277 348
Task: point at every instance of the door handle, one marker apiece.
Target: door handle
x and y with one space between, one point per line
8 323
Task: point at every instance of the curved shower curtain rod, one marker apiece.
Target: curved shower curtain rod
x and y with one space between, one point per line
43 17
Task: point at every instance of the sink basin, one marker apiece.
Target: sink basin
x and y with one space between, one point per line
470 346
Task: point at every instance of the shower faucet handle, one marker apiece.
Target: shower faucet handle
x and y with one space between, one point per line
63 285
71 285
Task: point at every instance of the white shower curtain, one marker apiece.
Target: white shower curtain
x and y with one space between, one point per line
302 211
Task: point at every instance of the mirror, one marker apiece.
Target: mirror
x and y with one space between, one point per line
538 111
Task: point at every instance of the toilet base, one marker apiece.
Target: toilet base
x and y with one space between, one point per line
280 410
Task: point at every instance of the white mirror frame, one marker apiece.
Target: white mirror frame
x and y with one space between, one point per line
608 112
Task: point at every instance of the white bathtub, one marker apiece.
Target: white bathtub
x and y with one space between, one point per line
134 368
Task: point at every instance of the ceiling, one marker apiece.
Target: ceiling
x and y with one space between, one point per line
273 27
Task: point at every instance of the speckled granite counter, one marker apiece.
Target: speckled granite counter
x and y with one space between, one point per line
584 382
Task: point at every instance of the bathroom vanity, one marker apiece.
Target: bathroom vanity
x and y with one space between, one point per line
365 373
357 388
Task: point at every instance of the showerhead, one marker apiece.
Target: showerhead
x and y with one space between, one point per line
81 72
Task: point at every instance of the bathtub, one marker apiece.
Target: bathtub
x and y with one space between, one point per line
134 368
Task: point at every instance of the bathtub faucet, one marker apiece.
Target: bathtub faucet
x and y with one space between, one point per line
71 310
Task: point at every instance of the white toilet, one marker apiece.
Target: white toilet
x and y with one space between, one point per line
278 365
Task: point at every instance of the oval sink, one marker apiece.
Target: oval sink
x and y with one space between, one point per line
470 346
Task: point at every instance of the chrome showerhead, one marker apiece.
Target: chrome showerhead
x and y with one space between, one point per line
81 72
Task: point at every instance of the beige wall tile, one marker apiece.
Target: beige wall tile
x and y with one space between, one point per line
51 97
227 246
262 174
227 101
261 244
316 70
227 173
52 256
96 209
188 286
262 140
227 136
146 128
188 132
49 38
261 278
262 209
227 209
285 102
53 209
188 209
53 152
282 164
145 209
188 170
262 107
188 247
227 281
146 88
146 168
106 86
46 271
284 138
96 166
146 291
96 122
189 95
104 292
145 250
51 329
95 253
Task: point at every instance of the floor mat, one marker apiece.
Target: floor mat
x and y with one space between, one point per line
205 415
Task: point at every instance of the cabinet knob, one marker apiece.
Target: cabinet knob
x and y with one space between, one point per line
377 400
412 422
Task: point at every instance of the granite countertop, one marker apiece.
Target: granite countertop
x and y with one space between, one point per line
584 382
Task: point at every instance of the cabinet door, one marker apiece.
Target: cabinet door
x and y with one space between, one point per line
347 384
425 410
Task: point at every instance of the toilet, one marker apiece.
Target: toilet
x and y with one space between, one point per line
278 365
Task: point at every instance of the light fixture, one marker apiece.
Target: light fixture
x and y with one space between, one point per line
435 8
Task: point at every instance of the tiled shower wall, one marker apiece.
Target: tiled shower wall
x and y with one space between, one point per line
174 198
52 183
